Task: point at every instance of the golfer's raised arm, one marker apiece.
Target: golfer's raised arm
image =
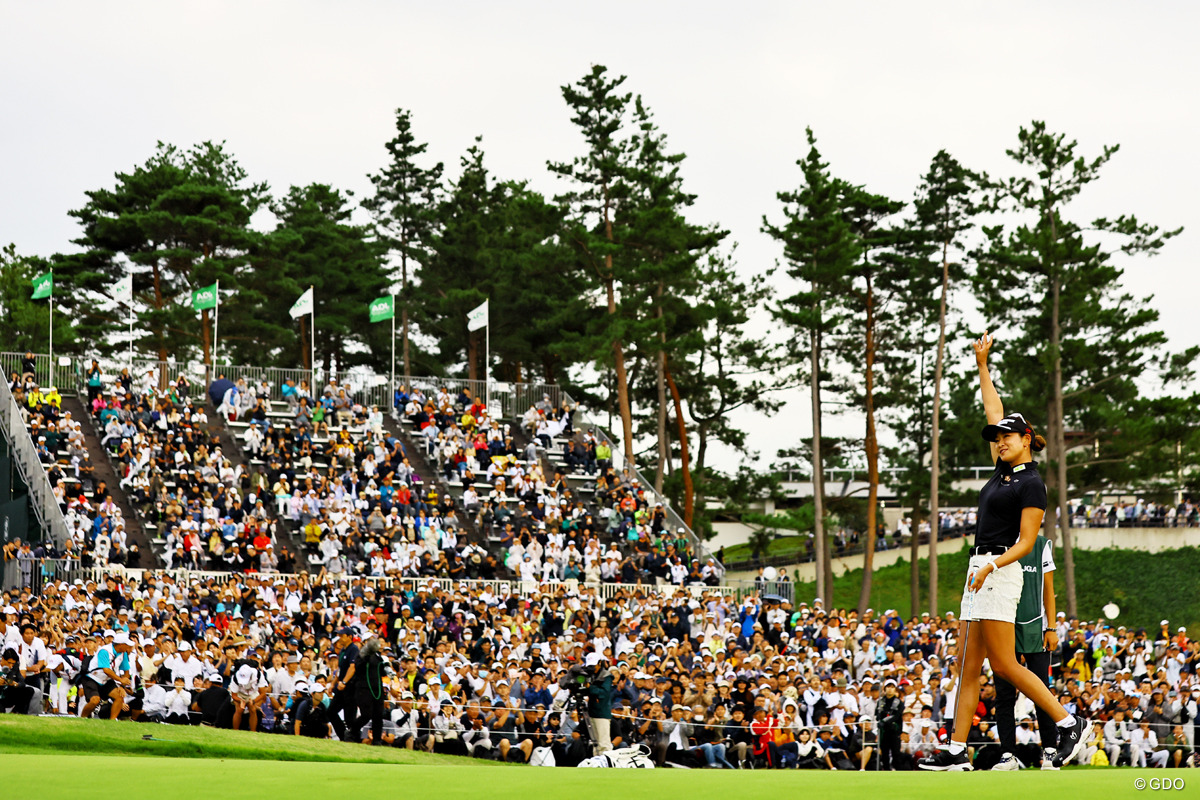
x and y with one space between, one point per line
992 406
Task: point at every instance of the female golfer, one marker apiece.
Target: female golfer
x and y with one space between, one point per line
1011 506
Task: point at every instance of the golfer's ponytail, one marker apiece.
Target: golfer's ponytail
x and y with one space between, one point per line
1038 443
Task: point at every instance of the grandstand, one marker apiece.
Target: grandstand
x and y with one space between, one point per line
167 466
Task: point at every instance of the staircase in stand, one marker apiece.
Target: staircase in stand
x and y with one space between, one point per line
136 529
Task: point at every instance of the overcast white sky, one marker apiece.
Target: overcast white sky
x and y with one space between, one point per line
305 91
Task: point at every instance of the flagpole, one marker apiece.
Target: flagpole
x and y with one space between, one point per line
312 343
487 363
52 327
216 324
392 385
131 323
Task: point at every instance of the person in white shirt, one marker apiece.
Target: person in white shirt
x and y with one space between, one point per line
176 704
247 690
154 702
1143 746
1117 739
33 656
184 663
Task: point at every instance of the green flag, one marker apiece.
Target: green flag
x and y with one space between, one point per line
205 297
43 286
383 308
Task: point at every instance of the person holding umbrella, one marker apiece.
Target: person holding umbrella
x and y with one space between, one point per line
1011 506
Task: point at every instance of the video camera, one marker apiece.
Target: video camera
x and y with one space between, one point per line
577 679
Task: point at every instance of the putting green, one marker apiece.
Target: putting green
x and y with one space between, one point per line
73 776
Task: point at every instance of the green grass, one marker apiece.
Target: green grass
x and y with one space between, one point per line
57 776
47 735
781 546
1148 587
72 758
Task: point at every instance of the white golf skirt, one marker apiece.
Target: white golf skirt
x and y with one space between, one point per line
1000 593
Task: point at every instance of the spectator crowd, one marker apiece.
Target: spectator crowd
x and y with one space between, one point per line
696 675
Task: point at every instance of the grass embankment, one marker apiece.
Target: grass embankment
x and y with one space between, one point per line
34 735
780 546
1148 587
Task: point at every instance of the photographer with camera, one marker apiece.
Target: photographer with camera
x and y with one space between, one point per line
599 701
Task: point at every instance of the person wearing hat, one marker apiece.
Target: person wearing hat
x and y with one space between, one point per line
890 713
1011 506
343 688
109 676
312 718
247 692
1036 642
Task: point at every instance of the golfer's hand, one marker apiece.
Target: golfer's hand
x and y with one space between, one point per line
978 578
982 345
1051 640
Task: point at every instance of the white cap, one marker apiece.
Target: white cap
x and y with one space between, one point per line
245 674
184 646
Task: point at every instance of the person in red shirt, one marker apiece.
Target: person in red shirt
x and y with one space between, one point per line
403 500
763 729
261 541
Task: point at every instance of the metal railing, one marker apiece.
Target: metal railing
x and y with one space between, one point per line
33 574
33 472
45 373
473 586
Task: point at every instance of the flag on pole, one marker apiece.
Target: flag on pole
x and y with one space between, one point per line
43 286
123 290
304 305
478 317
204 297
382 309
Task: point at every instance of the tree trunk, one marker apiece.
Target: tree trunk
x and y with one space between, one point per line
472 356
820 546
935 456
1060 435
1050 478
618 348
623 405
663 453
206 338
689 494
872 448
914 574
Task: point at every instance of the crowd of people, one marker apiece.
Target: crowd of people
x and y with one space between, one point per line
97 530
698 677
607 529
348 488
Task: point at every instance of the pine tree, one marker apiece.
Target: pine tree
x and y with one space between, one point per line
1061 306
599 189
820 249
315 243
178 222
871 332
404 209
944 214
